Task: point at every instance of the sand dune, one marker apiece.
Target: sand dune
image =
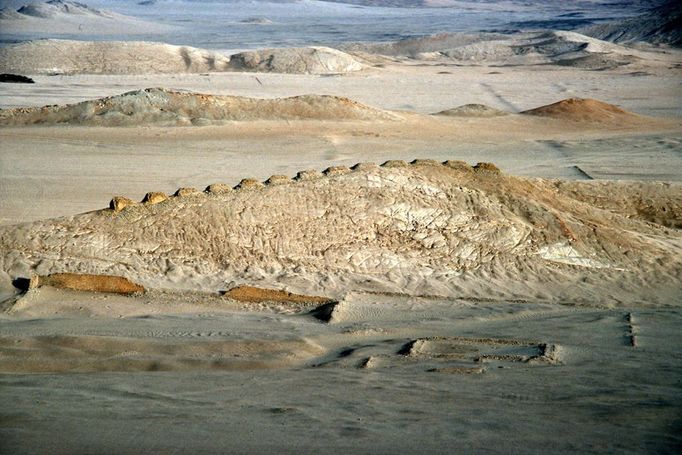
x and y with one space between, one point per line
156 106
60 17
303 60
426 228
107 57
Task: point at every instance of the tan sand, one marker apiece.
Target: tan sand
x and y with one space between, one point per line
583 110
465 295
257 295
107 57
305 60
84 282
155 106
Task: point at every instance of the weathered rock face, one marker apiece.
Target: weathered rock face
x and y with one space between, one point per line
107 57
302 60
423 228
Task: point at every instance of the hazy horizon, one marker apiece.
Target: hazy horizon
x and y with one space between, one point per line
224 24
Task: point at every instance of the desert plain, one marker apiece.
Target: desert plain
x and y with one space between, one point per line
462 242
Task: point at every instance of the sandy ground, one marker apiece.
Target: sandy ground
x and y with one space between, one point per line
602 395
89 165
174 372
423 87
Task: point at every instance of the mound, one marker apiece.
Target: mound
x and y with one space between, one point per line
81 282
155 106
661 25
71 18
258 295
582 110
472 110
302 60
107 57
416 229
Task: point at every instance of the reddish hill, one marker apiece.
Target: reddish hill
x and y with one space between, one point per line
582 110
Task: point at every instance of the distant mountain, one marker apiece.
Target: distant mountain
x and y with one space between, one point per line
661 25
